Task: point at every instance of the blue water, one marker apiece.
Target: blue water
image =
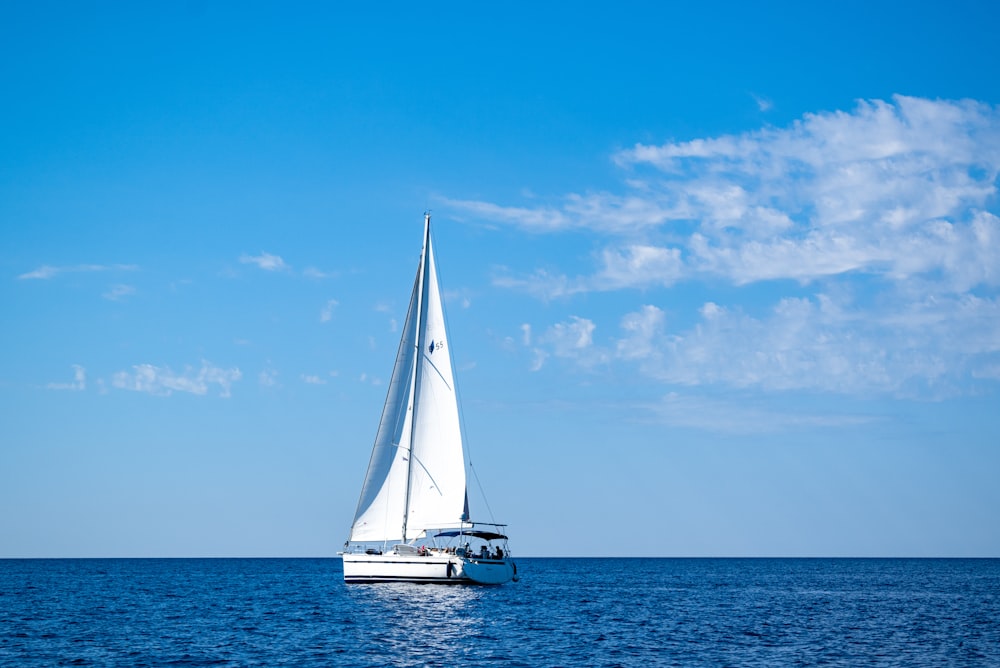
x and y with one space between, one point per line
563 612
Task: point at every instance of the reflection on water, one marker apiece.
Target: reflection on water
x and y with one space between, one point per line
426 624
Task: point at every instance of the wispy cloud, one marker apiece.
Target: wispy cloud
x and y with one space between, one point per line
268 378
371 380
929 348
876 224
763 103
78 384
265 261
313 272
119 292
741 416
326 313
46 272
164 381
573 339
460 297
534 219
312 379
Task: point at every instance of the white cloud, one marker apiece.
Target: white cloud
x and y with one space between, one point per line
658 266
820 344
313 272
872 234
539 359
267 378
47 271
119 292
265 261
43 272
78 384
541 284
889 189
763 103
371 380
461 297
532 219
164 381
312 379
573 339
740 415
326 313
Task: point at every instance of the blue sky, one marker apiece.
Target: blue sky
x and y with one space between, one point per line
722 280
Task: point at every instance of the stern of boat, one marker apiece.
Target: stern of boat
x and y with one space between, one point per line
489 571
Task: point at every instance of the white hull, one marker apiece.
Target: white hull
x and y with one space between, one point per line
362 568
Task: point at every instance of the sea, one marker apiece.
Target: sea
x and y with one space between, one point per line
562 612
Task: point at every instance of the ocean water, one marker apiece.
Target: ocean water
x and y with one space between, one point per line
563 612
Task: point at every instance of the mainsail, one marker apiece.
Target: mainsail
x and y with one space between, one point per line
416 475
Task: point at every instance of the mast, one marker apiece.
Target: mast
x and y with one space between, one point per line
418 347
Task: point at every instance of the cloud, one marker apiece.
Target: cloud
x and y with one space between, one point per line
572 339
763 103
46 272
822 343
461 297
851 251
43 272
740 415
78 384
541 284
310 379
326 313
119 292
267 378
545 219
313 272
265 261
163 381
890 189
371 380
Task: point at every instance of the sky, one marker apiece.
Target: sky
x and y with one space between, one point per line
722 280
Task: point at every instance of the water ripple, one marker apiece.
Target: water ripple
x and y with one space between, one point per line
587 612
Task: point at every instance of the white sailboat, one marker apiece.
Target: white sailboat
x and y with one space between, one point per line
412 521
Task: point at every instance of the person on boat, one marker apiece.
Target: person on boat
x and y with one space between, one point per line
499 553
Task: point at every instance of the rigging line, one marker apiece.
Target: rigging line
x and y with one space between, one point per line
482 493
429 476
438 371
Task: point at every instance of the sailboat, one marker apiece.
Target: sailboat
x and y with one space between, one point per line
412 523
